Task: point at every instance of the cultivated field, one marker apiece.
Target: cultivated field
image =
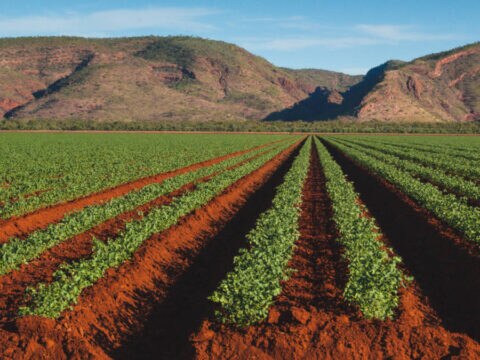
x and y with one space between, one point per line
239 246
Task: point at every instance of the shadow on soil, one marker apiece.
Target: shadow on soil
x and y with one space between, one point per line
167 329
447 273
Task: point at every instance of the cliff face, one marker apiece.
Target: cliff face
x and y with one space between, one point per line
433 88
150 78
170 78
438 87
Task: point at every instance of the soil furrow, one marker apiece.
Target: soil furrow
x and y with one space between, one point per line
118 304
166 332
39 219
310 319
13 285
445 266
470 200
315 286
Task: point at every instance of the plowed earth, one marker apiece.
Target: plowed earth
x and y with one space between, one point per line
21 225
111 314
310 319
155 306
13 285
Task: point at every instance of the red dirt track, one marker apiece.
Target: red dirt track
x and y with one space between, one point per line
19 226
111 312
310 319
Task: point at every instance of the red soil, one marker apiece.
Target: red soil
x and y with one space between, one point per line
150 305
446 60
310 319
119 303
20 226
7 105
13 285
445 265
166 332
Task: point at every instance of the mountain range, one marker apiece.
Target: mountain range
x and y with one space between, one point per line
187 78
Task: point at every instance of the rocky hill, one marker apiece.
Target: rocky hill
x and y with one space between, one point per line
437 87
185 78
148 78
444 86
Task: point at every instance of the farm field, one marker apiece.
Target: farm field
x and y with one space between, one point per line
60 167
221 246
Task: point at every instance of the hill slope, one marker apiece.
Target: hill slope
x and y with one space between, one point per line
444 86
149 78
437 87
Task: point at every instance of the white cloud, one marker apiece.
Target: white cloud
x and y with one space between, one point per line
400 33
293 44
349 36
294 22
105 22
355 70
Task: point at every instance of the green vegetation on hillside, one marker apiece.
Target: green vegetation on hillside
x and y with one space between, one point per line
439 55
147 79
190 79
336 126
169 50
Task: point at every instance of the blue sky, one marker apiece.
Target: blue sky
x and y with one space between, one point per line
349 36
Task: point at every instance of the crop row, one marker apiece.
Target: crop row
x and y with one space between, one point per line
469 153
451 183
464 143
38 170
447 207
70 280
246 294
373 275
437 160
18 251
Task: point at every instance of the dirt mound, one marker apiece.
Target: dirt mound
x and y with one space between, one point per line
22 225
116 308
310 320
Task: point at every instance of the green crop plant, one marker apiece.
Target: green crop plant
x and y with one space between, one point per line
374 278
19 251
248 291
49 300
447 207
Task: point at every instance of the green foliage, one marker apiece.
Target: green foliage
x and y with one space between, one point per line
18 251
333 126
170 50
437 176
439 160
49 300
447 207
44 169
184 50
248 291
458 146
373 276
439 55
